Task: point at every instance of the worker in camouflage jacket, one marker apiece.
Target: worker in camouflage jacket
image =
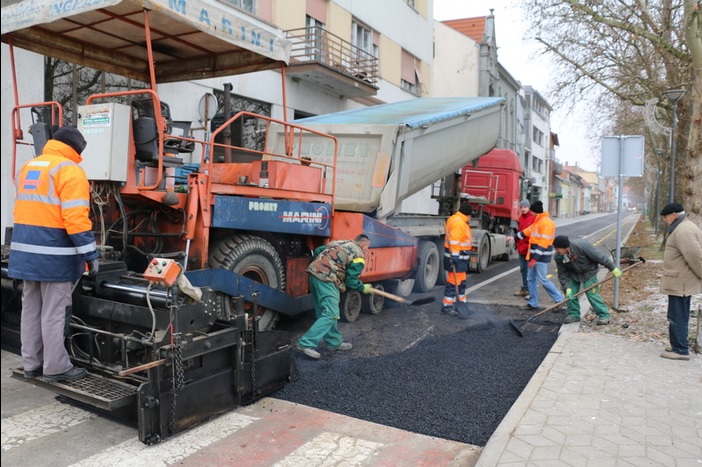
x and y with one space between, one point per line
578 262
335 268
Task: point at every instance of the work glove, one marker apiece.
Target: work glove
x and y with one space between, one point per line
93 267
569 293
367 288
616 272
532 262
454 260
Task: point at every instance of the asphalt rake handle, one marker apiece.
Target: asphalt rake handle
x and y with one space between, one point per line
520 329
404 301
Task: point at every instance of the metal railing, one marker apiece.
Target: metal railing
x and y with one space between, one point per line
314 44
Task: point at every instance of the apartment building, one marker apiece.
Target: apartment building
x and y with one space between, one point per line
345 54
537 150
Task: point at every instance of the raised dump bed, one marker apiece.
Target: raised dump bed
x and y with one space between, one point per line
392 151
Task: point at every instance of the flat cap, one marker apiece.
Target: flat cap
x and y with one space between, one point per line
671 208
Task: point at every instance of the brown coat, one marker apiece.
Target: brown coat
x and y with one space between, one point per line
682 260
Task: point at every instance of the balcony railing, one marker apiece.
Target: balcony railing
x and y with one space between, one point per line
314 44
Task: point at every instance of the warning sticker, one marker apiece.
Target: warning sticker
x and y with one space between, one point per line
97 119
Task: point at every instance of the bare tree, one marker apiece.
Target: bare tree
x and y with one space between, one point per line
617 55
70 85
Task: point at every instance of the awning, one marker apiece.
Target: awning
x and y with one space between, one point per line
191 40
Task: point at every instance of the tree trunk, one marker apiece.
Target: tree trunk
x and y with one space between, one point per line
691 182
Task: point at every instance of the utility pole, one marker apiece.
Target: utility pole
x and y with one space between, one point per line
659 153
674 95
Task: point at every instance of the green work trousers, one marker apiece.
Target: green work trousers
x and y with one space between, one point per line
593 296
326 298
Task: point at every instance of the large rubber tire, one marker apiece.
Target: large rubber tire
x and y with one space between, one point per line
256 259
404 288
350 306
429 265
442 275
483 254
372 303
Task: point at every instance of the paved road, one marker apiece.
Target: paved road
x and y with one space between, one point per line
595 400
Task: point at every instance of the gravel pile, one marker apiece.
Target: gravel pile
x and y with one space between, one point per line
456 386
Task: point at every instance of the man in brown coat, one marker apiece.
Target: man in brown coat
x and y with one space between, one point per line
682 276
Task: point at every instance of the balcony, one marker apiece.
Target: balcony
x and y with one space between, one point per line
327 61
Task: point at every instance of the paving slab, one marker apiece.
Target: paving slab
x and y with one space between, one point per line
603 400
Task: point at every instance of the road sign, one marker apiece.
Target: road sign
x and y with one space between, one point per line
622 155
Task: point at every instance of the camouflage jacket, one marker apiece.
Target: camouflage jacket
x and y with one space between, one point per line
340 262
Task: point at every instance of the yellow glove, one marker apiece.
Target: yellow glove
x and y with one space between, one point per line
367 288
569 293
616 272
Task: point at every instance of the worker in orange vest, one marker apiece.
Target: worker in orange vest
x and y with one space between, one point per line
541 235
457 252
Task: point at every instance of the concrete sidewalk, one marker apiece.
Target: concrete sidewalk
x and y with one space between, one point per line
601 400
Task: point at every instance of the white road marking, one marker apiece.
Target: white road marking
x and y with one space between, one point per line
43 421
331 449
421 337
135 453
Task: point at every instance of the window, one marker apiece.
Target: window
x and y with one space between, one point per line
537 165
314 38
362 37
538 136
410 78
250 6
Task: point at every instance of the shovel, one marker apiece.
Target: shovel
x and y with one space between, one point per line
404 301
520 329
461 307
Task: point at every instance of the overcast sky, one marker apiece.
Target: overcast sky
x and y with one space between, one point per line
517 56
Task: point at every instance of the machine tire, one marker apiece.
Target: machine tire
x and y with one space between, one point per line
372 303
252 257
350 306
442 275
404 288
429 266
483 254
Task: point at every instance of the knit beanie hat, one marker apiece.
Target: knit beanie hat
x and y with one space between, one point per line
524 204
561 241
70 136
465 209
537 207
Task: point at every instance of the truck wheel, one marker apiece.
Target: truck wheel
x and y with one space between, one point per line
256 259
403 288
428 266
441 276
372 303
350 306
483 254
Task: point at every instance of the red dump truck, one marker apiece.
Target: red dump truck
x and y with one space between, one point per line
494 188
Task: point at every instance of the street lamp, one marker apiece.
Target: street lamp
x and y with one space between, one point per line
659 153
673 95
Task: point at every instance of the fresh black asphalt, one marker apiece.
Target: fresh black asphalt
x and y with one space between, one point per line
456 383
